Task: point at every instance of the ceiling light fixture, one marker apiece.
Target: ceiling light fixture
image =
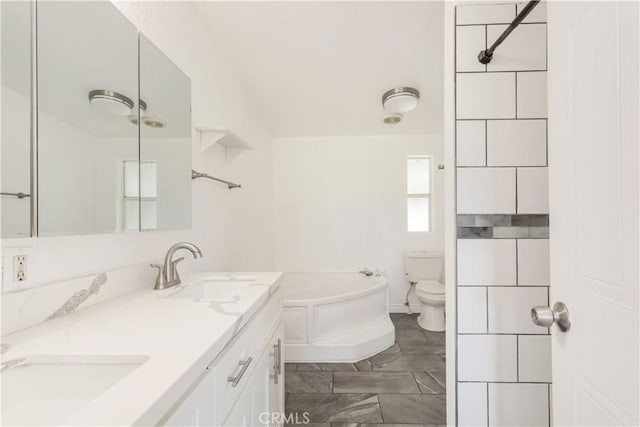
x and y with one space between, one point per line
400 100
133 118
110 102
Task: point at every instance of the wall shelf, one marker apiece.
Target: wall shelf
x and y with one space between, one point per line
209 136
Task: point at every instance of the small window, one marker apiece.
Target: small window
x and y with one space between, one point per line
140 192
418 193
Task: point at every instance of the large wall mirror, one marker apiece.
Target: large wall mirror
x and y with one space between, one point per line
165 141
15 128
113 125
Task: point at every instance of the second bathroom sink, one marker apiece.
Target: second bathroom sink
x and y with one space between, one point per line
212 290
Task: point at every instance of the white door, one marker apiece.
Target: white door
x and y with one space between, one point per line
593 157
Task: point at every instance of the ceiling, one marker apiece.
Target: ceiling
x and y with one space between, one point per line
90 45
319 68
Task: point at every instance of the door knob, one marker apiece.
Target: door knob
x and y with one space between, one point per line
545 316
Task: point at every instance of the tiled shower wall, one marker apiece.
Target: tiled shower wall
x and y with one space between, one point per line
504 361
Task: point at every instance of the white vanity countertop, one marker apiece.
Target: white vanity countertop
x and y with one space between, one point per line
180 336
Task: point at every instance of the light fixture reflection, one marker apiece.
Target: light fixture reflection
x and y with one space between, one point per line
110 102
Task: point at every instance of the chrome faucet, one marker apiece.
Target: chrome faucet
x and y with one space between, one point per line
168 273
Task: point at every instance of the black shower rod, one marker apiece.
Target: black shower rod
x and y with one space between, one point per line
485 56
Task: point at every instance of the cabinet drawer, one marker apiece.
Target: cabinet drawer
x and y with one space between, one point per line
263 325
234 363
240 358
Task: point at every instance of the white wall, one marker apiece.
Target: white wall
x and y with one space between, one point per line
340 203
233 228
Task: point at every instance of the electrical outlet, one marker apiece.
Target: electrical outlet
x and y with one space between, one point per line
19 268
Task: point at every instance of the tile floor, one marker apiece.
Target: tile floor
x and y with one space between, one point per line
403 386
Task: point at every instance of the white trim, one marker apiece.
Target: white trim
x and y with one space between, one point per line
450 207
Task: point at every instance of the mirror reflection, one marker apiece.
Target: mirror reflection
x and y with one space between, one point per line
87 84
16 118
113 121
165 143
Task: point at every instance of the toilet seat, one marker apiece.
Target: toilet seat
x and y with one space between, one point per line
430 289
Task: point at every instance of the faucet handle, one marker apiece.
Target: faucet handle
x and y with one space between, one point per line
174 267
159 277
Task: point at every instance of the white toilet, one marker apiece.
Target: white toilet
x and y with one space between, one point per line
424 270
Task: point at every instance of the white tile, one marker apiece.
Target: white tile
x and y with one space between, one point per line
524 49
519 405
538 14
533 262
485 95
470 40
509 309
472 404
470 143
534 358
533 191
486 191
516 143
485 14
487 358
486 262
532 95
472 310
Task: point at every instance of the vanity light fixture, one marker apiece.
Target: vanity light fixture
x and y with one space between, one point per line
110 102
400 100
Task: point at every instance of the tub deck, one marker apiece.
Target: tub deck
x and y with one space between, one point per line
335 317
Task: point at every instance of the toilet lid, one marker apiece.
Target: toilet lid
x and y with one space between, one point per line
429 287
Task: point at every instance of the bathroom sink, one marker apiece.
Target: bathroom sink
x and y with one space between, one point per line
227 277
47 389
215 290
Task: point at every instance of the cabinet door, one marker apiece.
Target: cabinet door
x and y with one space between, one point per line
261 387
195 409
240 414
87 97
268 383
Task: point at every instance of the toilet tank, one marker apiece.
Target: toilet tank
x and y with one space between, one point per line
423 266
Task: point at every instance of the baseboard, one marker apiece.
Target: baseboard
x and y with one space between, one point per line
401 308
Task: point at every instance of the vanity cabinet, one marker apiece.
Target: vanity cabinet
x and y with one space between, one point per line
253 359
195 408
